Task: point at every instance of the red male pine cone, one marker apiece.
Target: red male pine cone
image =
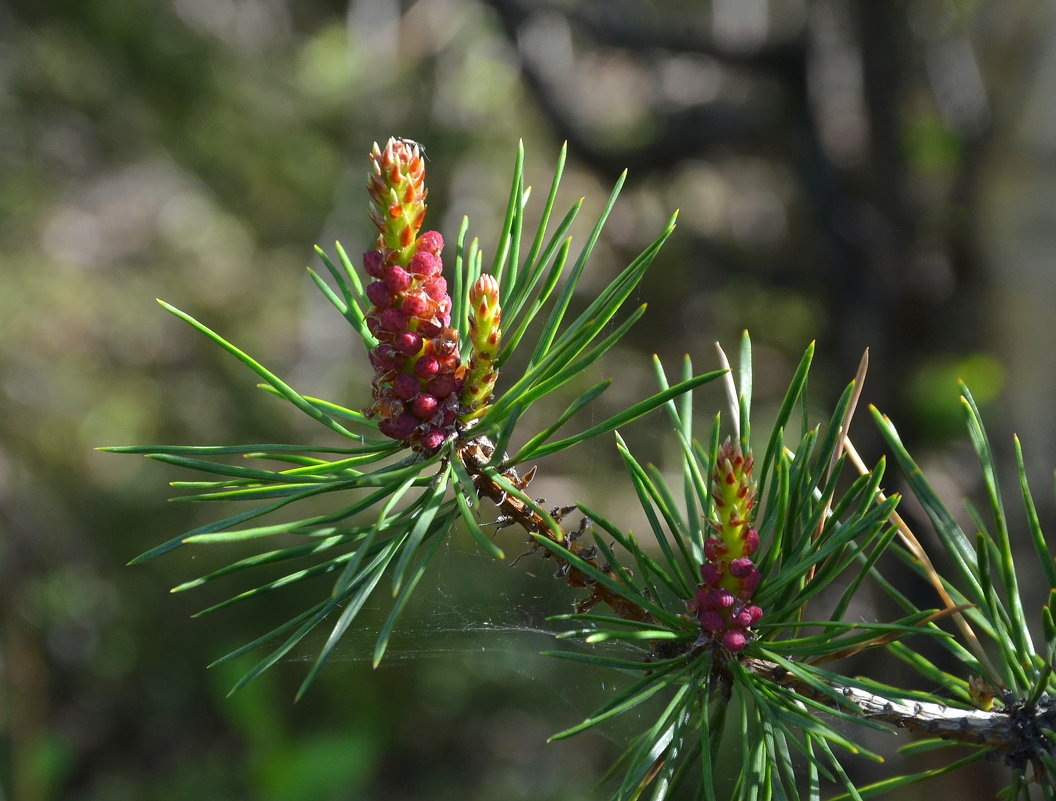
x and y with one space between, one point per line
418 373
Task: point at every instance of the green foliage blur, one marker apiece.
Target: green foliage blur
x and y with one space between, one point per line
195 150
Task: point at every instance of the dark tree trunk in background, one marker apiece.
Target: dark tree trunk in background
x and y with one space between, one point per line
863 252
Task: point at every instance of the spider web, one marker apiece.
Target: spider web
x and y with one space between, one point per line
499 625
444 620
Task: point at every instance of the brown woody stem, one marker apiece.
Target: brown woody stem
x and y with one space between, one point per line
475 454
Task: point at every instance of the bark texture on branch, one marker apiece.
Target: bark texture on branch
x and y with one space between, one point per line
475 454
1016 731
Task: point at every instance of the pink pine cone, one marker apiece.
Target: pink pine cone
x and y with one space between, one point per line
417 353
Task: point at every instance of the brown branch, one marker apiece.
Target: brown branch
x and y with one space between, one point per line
475 454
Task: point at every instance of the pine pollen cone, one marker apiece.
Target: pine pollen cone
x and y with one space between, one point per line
418 373
729 577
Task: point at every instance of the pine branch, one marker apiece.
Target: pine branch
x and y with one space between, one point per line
476 454
718 608
1016 730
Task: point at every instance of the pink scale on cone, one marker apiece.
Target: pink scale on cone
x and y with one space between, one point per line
393 320
742 619
379 295
711 621
431 242
436 288
433 439
711 573
714 549
414 305
408 343
427 367
405 386
734 641
373 263
424 264
424 406
398 280
740 568
442 386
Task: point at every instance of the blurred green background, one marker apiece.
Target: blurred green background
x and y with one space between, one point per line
862 173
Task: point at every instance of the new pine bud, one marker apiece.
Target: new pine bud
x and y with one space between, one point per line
729 577
485 317
396 186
